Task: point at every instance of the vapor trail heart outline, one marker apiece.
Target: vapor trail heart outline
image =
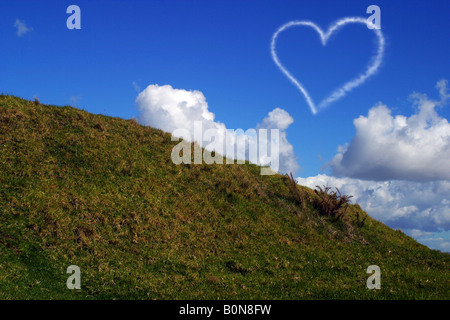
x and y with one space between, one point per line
348 86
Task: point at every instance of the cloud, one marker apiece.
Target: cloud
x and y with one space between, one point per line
420 206
443 91
74 100
280 119
169 109
371 69
416 233
136 86
21 27
437 243
445 245
387 147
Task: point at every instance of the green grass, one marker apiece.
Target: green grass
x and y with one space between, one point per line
102 193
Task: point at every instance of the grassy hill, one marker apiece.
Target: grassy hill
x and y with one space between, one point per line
102 193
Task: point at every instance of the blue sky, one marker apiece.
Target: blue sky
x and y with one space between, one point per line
222 48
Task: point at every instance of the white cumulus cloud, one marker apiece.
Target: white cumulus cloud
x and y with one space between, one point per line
388 147
170 109
280 119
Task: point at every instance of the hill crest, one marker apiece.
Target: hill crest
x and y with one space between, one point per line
101 193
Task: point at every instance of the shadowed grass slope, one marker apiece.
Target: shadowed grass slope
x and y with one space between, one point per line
102 193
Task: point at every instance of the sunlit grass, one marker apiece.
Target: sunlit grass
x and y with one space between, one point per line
103 194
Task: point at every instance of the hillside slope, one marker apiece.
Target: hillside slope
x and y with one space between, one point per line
102 193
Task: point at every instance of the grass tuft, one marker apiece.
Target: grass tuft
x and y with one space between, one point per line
331 203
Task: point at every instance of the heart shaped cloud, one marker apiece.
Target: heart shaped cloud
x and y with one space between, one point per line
348 86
